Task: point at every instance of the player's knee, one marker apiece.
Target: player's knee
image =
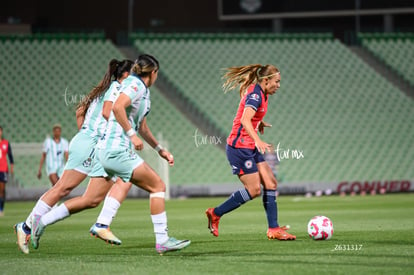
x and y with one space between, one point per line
158 186
63 192
94 203
91 202
255 191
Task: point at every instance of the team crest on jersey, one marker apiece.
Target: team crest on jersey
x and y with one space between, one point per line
248 164
135 88
255 97
87 162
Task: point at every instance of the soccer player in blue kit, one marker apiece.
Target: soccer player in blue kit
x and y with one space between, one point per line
245 148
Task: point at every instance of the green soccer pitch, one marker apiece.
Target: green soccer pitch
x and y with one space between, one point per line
372 235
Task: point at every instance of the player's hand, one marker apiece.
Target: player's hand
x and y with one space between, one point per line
262 125
263 146
167 156
137 142
39 174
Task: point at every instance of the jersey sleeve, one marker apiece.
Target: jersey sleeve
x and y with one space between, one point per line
112 93
135 90
253 100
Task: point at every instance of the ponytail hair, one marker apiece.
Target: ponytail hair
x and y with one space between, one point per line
244 76
115 69
145 65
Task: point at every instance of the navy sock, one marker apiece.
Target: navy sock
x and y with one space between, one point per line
26 229
1 203
270 206
234 201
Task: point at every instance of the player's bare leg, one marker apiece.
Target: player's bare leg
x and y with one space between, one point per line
251 190
146 178
94 194
53 179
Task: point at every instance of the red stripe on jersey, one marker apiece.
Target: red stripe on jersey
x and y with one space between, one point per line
256 99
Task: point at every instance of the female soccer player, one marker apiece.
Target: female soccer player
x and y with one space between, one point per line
55 152
91 114
114 153
245 148
5 151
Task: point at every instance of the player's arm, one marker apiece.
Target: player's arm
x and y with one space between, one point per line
11 159
246 121
110 97
262 125
106 109
42 160
80 116
119 107
147 135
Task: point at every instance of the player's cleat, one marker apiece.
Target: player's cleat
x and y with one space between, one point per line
22 238
172 244
37 230
213 221
105 234
279 234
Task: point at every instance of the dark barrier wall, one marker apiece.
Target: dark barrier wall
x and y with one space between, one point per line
112 16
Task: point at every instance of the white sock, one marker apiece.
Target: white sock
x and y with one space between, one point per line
108 211
160 227
57 214
29 220
40 209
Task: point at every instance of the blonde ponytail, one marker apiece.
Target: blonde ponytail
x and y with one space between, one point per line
244 76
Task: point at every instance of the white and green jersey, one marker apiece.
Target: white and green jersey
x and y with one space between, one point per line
115 137
55 153
94 124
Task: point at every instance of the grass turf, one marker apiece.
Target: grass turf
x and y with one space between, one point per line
373 235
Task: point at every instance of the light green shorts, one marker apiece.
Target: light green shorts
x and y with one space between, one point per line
81 153
53 169
119 162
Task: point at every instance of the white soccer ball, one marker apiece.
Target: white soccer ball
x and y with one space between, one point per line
320 228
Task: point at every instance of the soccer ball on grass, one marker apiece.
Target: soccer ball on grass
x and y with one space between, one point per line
320 228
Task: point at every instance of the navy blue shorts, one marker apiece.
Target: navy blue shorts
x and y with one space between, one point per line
3 177
243 161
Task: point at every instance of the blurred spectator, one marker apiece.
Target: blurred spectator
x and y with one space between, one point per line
5 151
55 152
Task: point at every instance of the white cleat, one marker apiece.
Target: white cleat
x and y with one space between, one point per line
22 238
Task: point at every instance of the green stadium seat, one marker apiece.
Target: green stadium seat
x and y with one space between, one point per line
331 102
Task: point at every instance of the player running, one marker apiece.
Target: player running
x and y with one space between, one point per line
55 152
5 151
245 148
91 114
115 154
